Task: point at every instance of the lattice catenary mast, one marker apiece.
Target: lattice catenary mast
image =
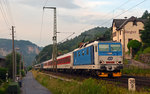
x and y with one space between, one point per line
54 54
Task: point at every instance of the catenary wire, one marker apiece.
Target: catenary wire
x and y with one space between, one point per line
8 9
122 13
4 15
41 27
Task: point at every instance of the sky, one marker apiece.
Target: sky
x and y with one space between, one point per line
36 25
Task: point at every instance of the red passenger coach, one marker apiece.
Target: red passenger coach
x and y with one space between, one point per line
63 62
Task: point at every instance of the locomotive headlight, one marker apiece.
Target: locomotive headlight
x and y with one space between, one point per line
101 62
119 62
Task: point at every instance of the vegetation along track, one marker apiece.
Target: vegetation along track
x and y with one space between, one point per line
141 82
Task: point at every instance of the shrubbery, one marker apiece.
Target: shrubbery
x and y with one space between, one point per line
3 72
3 88
147 50
22 73
135 45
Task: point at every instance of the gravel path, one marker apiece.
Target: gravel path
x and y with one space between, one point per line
31 86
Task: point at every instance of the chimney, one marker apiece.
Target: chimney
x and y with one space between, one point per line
125 17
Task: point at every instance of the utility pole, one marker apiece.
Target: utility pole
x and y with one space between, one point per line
54 54
13 55
23 62
20 65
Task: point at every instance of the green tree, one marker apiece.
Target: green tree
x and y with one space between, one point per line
135 45
145 15
145 34
9 63
3 72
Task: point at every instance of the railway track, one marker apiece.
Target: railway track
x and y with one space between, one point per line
141 82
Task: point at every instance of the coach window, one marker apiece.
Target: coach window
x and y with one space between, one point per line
95 48
87 51
82 52
78 53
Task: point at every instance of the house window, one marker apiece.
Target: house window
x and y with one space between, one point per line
114 34
140 31
120 32
129 40
120 40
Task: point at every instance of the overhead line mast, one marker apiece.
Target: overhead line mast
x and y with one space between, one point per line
13 55
54 54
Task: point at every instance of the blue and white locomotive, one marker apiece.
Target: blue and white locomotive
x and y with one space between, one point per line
103 58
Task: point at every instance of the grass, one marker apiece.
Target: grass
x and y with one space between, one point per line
3 88
88 86
132 70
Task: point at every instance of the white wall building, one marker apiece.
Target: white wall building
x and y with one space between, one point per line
127 29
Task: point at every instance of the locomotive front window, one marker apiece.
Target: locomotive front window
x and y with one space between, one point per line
104 47
115 47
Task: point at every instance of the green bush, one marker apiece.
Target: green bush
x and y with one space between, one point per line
3 88
22 73
13 88
137 55
135 45
147 50
3 72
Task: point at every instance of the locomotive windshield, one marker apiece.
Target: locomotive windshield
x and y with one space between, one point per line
110 49
104 47
115 47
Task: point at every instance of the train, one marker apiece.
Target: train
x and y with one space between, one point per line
101 58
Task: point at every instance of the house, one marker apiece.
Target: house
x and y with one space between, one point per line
125 30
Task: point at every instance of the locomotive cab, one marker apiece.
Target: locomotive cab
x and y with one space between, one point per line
110 59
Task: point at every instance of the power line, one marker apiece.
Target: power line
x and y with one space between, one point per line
119 14
45 3
41 29
8 9
41 26
104 16
66 38
117 8
4 15
123 12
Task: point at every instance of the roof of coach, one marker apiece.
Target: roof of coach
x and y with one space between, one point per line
64 55
57 57
87 44
108 42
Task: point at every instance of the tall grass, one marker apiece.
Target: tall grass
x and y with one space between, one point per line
3 88
88 86
132 70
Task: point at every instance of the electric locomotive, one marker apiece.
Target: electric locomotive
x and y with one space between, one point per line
101 57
